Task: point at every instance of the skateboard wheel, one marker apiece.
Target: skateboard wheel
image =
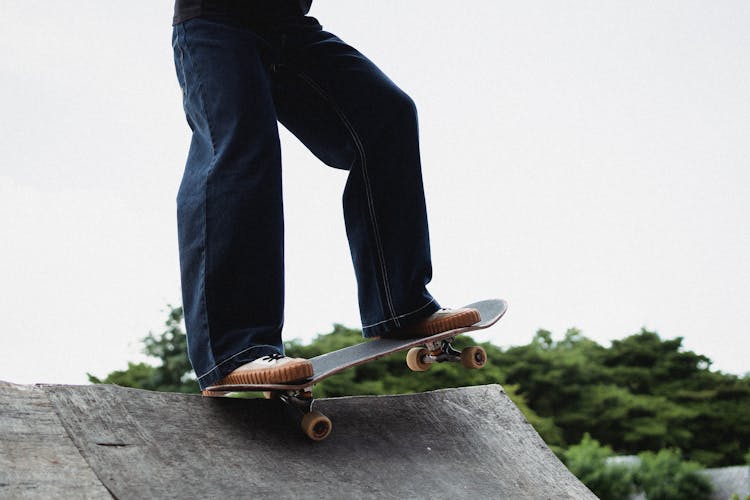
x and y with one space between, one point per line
316 426
271 395
415 359
473 357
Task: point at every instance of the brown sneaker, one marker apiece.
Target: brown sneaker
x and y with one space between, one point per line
440 321
271 369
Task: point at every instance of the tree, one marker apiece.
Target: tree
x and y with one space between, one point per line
173 374
642 393
588 462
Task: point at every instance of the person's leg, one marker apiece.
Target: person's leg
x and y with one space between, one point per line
350 115
229 205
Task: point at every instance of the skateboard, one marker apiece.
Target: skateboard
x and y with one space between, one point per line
423 352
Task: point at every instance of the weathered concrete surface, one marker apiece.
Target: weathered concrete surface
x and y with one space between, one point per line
454 443
37 458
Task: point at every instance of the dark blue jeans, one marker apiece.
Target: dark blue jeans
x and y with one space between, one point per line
237 81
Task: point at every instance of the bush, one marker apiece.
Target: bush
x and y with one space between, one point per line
665 476
588 462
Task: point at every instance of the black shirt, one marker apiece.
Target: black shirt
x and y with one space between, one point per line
239 10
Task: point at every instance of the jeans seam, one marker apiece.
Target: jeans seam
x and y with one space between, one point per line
230 358
395 318
202 99
368 188
182 61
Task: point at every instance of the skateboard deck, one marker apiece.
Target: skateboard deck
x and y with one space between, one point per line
335 362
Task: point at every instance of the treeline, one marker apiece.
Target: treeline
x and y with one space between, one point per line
642 393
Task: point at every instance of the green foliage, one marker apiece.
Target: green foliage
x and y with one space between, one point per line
643 393
552 376
588 461
137 375
630 421
661 476
747 457
545 426
173 374
665 476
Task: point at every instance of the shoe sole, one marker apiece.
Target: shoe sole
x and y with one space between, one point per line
286 374
458 320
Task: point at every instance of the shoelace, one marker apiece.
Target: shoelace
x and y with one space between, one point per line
272 357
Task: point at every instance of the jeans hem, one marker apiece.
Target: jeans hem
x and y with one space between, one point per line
403 321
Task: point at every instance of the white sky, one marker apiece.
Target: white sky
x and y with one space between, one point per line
597 151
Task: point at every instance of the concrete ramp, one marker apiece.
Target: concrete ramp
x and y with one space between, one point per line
105 441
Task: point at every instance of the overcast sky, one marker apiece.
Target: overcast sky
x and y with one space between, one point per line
598 152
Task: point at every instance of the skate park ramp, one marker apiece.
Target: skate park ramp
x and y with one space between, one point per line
104 441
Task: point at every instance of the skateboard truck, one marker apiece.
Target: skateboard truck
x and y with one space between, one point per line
419 359
299 403
299 406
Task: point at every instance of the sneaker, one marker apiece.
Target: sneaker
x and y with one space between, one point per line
271 369
441 321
